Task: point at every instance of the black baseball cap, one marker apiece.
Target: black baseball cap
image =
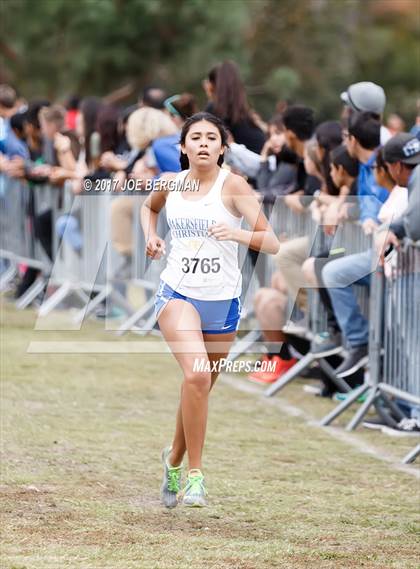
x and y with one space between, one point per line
403 147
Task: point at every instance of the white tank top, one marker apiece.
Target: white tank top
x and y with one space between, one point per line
199 266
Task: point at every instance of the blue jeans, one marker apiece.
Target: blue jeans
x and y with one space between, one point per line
67 227
339 277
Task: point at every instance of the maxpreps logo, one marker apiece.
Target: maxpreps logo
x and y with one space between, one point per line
238 366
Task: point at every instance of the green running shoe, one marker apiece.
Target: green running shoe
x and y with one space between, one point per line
195 491
171 481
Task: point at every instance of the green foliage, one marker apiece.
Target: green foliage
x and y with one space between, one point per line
283 82
304 50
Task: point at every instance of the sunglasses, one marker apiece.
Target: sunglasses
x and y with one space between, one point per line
167 103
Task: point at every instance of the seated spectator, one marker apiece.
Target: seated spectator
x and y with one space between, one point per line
328 136
366 97
402 155
339 276
415 129
362 140
344 171
299 126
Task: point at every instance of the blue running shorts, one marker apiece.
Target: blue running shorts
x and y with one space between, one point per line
217 316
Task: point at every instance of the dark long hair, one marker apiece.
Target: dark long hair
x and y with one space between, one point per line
107 126
328 135
203 116
230 101
340 157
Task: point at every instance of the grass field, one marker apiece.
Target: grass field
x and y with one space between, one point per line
81 440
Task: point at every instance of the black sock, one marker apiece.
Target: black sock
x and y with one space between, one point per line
283 351
300 344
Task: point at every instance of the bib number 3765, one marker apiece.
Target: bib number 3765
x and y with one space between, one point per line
204 265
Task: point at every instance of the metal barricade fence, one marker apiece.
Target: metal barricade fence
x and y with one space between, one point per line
16 243
351 238
256 274
394 360
22 206
87 273
401 333
401 368
146 272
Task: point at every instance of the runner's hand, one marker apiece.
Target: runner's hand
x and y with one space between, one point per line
155 247
222 232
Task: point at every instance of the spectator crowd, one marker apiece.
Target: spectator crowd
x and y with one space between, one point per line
361 168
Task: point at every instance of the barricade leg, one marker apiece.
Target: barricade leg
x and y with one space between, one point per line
293 372
147 327
363 409
342 386
118 299
329 418
107 292
54 300
393 406
29 295
92 304
242 345
412 455
6 277
82 295
138 315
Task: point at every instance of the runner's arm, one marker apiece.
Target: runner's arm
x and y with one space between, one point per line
243 200
151 207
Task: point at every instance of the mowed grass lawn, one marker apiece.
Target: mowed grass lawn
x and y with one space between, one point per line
81 441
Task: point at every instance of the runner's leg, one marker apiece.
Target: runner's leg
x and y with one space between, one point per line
180 324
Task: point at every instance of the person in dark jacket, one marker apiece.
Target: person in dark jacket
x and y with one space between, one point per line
228 101
278 171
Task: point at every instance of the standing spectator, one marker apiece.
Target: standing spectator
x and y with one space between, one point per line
53 124
32 128
72 108
10 145
228 101
144 127
153 97
277 174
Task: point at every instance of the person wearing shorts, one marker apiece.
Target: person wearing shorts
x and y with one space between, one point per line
197 303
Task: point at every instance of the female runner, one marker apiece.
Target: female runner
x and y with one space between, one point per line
197 303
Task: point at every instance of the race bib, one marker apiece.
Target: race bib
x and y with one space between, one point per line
201 264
